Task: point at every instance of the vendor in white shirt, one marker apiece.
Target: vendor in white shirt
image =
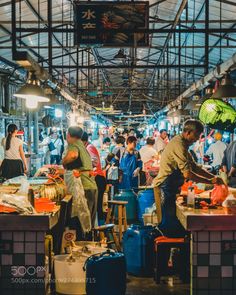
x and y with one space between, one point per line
55 153
148 153
44 145
216 150
161 141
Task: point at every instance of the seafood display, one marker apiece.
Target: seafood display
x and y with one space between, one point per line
51 187
11 203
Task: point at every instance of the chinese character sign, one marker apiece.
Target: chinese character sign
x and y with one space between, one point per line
111 23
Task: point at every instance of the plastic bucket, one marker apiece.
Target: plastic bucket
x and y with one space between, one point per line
69 274
145 200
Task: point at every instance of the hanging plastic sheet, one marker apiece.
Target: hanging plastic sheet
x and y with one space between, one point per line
218 114
79 206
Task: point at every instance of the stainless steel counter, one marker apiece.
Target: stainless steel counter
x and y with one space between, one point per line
205 220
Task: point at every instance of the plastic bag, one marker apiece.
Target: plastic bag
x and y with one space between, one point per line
113 173
18 202
15 180
79 205
219 194
24 188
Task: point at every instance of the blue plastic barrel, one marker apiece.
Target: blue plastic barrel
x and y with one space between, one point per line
138 250
131 207
106 274
145 200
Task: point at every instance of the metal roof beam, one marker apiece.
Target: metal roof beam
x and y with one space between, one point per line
177 17
157 3
156 20
147 31
94 66
227 2
48 27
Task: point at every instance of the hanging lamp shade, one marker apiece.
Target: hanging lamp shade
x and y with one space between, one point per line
226 89
32 92
218 114
208 94
194 103
120 54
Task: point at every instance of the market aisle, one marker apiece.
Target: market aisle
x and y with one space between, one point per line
146 286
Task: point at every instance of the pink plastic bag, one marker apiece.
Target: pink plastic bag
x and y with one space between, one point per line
219 194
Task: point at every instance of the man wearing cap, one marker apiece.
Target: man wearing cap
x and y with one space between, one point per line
216 151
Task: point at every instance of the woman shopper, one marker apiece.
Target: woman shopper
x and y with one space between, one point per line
14 163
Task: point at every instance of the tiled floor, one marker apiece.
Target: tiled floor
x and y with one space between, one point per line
146 286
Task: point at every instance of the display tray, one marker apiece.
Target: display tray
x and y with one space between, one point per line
32 181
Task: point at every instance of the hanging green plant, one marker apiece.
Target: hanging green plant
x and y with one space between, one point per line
218 114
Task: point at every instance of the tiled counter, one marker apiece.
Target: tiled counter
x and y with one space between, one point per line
213 250
23 264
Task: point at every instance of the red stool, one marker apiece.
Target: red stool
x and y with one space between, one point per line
163 246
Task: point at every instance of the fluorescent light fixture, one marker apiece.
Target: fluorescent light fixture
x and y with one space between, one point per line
32 92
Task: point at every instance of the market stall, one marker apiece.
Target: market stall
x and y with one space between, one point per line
27 221
213 248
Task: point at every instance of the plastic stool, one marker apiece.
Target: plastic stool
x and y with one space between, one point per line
107 231
122 218
163 246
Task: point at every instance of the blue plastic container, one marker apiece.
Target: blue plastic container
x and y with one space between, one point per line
138 250
131 207
145 200
106 274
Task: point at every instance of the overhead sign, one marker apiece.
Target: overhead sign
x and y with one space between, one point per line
111 23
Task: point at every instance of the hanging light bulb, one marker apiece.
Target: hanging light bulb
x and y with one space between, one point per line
32 92
31 103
